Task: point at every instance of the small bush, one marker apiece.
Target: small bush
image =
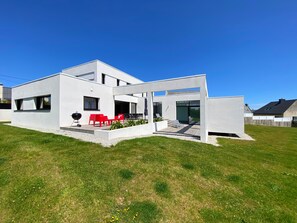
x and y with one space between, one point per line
159 119
129 123
141 122
116 125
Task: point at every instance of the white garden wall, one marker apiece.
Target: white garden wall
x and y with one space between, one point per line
5 115
133 131
226 115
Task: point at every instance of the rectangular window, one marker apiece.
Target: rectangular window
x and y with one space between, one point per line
118 82
103 79
43 102
91 104
19 104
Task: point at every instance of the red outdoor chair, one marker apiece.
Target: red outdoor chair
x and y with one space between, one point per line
101 119
120 117
92 118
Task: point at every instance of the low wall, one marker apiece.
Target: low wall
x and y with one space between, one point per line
5 115
251 121
133 131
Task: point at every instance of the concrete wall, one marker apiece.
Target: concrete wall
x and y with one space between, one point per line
133 131
86 68
72 92
169 103
48 119
292 111
226 115
5 115
98 68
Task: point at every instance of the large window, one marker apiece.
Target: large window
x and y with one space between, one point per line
188 112
43 102
19 104
91 103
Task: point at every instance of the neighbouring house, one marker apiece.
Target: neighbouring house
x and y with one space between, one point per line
280 109
96 87
5 103
247 111
5 94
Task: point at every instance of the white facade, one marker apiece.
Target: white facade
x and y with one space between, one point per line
109 87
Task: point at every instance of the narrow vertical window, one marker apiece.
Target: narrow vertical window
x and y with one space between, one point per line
19 104
103 79
118 82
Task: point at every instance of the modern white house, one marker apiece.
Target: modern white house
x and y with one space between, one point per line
96 87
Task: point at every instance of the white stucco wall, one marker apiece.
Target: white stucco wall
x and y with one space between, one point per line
5 115
98 68
133 131
225 115
37 118
86 68
72 92
169 103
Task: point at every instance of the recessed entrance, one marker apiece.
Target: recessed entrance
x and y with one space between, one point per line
188 112
121 107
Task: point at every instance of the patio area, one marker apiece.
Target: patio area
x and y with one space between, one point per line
185 131
90 129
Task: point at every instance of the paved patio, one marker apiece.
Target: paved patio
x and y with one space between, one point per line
187 132
85 128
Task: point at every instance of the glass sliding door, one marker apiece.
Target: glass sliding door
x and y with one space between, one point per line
188 112
182 114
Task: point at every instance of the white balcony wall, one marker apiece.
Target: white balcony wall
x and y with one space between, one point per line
83 69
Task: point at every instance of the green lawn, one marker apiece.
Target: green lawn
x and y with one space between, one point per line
50 178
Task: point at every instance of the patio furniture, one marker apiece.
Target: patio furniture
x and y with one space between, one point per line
119 117
92 118
102 119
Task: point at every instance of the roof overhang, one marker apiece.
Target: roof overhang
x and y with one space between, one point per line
163 85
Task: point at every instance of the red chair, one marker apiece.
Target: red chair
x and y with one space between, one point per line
119 117
92 118
101 119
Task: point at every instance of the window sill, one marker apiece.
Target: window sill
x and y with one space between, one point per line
33 110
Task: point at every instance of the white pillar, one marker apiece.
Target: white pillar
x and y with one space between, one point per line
203 111
150 107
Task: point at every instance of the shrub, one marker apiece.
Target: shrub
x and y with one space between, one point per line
141 122
129 123
116 125
159 119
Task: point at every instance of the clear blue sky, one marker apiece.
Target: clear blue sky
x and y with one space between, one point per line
246 47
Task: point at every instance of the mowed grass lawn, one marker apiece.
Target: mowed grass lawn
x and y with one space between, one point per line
51 178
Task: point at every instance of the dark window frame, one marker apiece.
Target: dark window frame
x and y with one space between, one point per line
19 104
40 99
97 100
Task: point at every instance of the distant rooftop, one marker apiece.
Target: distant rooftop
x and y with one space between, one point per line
275 108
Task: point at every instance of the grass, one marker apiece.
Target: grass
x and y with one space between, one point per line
51 178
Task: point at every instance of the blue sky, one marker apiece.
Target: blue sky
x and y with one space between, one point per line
246 47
